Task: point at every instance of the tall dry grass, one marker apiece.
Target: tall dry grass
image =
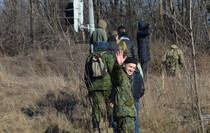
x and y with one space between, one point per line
169 104
45 92
42 92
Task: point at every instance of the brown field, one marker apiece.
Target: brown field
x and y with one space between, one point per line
45 92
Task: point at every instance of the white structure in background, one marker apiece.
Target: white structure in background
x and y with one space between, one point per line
78 18
71 13
78 14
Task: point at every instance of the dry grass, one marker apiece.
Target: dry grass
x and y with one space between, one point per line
41 94
46 93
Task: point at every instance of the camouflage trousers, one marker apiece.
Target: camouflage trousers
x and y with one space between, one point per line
97 110
174 73
125 125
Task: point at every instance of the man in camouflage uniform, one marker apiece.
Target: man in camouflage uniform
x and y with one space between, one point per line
173 59
100 89
124 104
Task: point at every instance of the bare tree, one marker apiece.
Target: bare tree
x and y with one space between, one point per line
197 95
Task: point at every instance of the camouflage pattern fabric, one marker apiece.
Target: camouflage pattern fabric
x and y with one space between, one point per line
94 84
97 111
174 60
125 125
100 89
124 104
123 46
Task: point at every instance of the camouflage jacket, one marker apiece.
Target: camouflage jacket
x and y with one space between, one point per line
173 53
124 105
93 84
123 46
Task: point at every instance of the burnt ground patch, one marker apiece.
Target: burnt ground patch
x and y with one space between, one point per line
54 129
31 112
69 104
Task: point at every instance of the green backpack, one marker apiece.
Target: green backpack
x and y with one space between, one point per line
97 66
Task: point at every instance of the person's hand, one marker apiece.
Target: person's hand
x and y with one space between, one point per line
111 105
120 58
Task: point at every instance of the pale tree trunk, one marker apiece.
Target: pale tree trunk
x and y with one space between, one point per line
179 6
171 6
195 71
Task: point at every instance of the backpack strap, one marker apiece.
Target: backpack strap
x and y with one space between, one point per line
103 52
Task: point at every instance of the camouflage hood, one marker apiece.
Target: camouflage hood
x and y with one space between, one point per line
174 46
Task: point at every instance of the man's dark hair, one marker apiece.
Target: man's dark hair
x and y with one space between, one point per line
111 39
121 29
122 34
130 60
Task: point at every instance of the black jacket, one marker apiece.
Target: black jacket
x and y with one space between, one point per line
131 46
143 41
113 48
137 85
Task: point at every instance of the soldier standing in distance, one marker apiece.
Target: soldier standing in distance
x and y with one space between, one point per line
144 31
173 60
